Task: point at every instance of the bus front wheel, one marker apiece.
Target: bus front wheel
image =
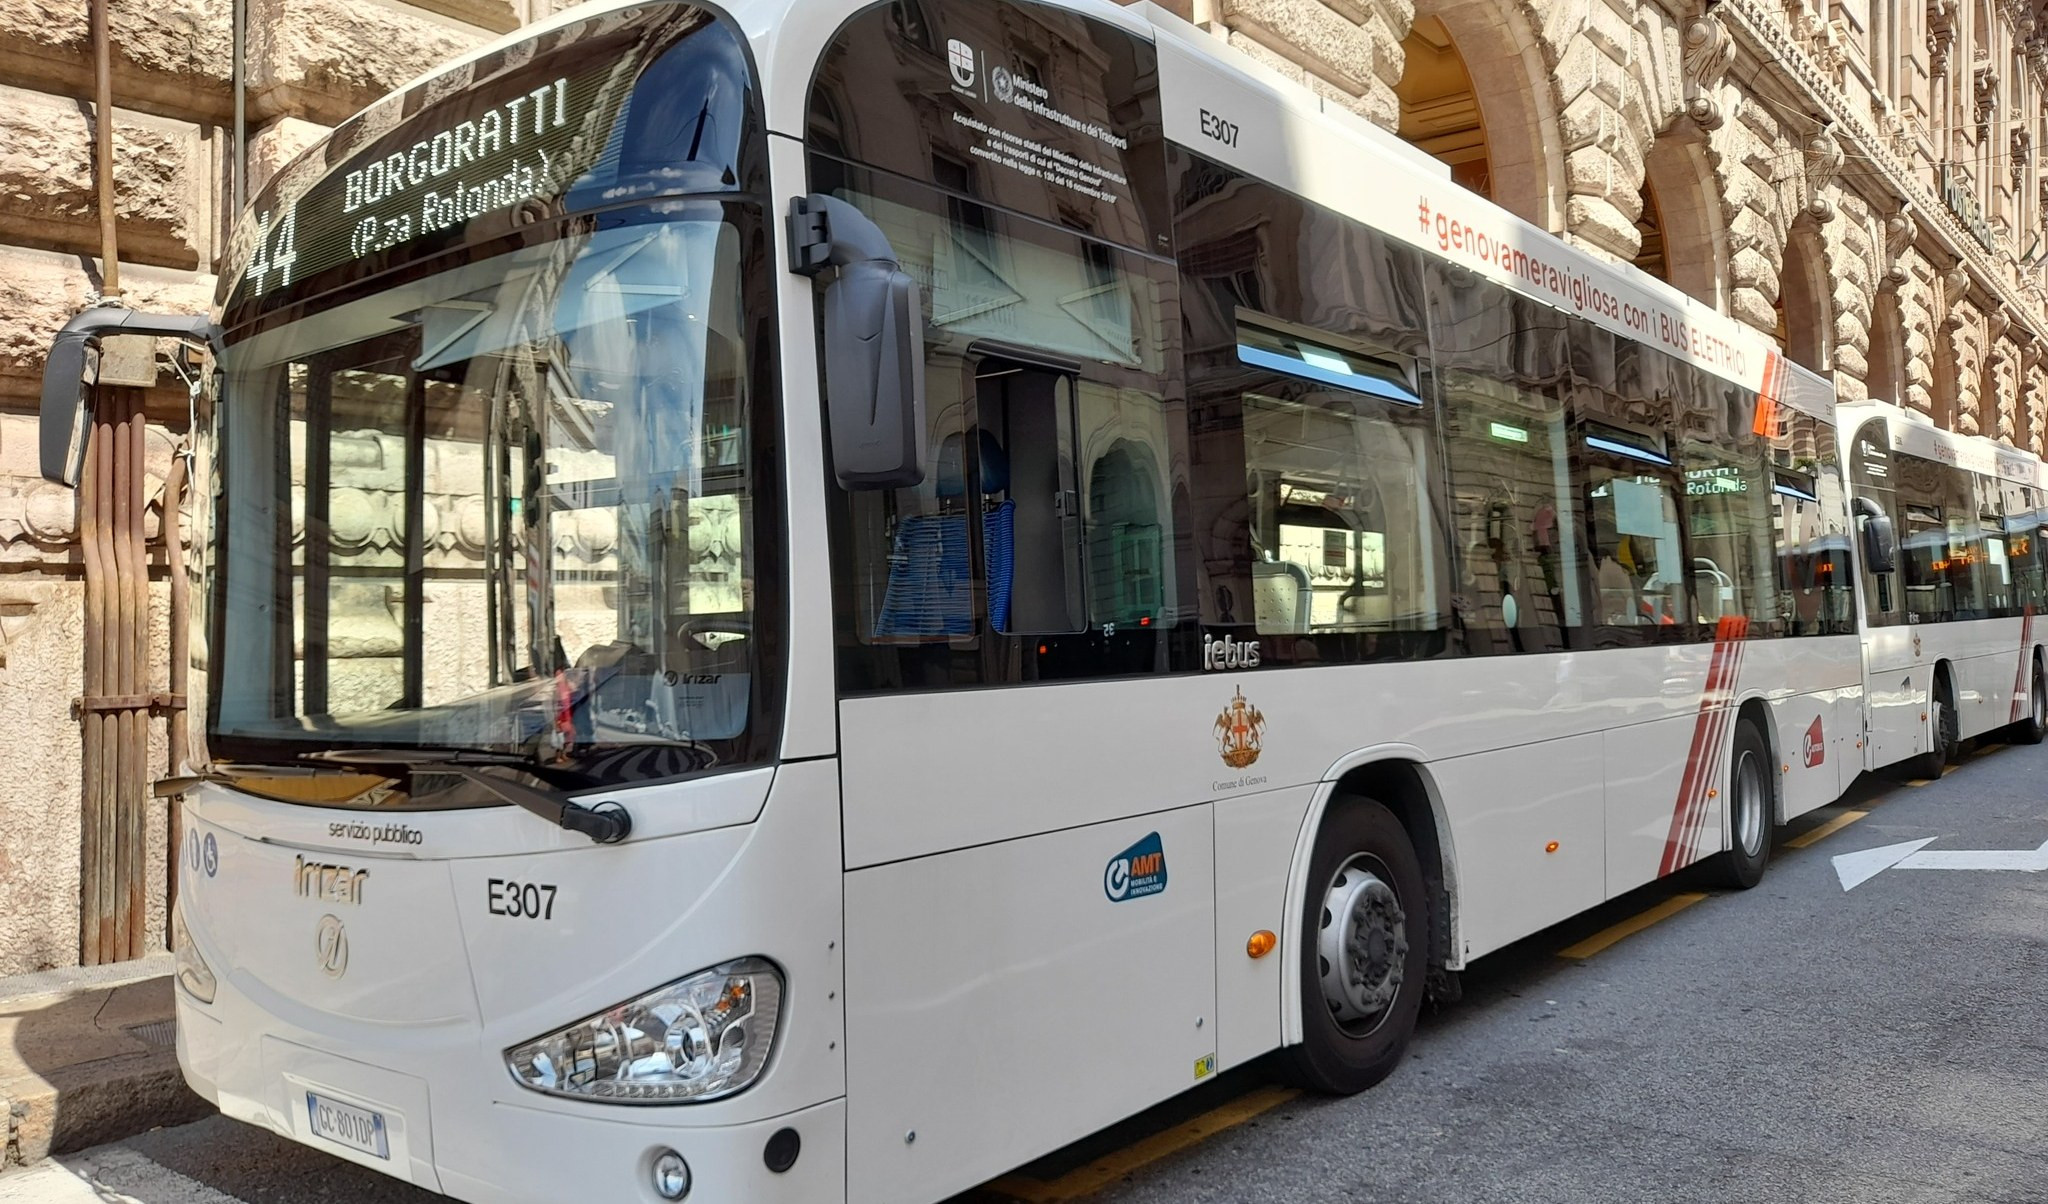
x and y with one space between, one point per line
1946 728
1752 812
1364 950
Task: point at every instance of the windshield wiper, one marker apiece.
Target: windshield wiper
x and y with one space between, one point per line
606 823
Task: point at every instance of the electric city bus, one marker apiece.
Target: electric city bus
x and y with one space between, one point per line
807 602
1949 635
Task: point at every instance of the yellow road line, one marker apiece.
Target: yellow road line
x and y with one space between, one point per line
1629 927
1987 750
1949 769
1921 782
1111 1167
1825 830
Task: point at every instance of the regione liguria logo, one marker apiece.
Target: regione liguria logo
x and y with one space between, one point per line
961 56
1816 749
1136 872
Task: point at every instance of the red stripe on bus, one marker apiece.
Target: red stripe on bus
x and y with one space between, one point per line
1737 629
1709 730
2019 677
1695 762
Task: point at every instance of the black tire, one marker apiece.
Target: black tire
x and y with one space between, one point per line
1947 733
2034 725
1342 1055
1752 813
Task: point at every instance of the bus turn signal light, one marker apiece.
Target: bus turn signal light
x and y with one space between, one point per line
1260 944
1551 847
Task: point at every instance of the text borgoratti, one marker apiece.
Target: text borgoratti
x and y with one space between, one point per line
532 114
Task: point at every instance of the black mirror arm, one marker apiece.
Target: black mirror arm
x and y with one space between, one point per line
827 232
66 409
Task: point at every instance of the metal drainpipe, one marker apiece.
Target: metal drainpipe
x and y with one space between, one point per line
238 171
96 487
178 755
103 140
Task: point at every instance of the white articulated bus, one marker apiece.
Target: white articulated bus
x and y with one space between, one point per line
809 602
1952 647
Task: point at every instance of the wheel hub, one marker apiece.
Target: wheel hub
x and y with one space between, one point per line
1363 946
1748 800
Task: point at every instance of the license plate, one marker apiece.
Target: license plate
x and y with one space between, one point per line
345 1124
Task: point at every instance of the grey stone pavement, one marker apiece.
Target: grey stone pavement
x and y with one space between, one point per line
1797 1042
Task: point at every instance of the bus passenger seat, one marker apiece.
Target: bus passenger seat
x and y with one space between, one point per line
930 589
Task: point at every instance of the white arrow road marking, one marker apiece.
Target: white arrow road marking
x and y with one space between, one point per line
1854 869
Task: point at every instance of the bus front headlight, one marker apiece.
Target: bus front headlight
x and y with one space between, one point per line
697 1038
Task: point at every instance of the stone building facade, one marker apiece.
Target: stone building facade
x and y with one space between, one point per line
1852 177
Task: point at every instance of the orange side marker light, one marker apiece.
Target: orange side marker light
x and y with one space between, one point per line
1260 944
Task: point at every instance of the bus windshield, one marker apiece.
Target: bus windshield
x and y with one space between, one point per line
508 506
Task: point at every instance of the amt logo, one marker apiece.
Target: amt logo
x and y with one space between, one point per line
1136 872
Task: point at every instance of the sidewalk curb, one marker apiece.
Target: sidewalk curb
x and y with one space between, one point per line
90 1057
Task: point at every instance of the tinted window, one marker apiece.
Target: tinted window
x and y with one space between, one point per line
1502 368
1815 592
1729 515
1049 537
1872 477
1317 504
1622 399
1025 107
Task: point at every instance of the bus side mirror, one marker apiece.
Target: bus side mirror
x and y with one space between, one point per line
73 368
874 344
1880 542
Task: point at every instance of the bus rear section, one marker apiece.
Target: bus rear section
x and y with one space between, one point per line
1953 646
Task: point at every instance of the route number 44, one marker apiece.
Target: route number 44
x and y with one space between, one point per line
276 251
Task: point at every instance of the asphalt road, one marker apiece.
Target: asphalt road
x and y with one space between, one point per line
1798 1042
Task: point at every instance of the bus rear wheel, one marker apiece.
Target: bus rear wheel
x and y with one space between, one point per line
1752 813
1364 951
2034 726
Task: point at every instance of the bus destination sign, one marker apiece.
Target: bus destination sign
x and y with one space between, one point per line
473 156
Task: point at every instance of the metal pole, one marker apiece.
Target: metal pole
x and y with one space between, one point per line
103 144
238 170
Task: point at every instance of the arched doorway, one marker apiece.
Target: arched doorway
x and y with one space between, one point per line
1681 208
1497 128
1650 229
1440 107
1886 379
1804 307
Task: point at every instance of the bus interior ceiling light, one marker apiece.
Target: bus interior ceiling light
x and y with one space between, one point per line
700 1037
1617 447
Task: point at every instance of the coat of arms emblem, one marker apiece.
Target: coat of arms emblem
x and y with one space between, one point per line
1240 731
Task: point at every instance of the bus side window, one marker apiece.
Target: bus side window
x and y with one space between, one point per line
1814 566
1629 475
1728 499
1873 479
1501 362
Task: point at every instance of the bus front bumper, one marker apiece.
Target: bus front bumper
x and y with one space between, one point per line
431 1132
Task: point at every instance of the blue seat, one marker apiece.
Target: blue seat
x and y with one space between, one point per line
930 591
